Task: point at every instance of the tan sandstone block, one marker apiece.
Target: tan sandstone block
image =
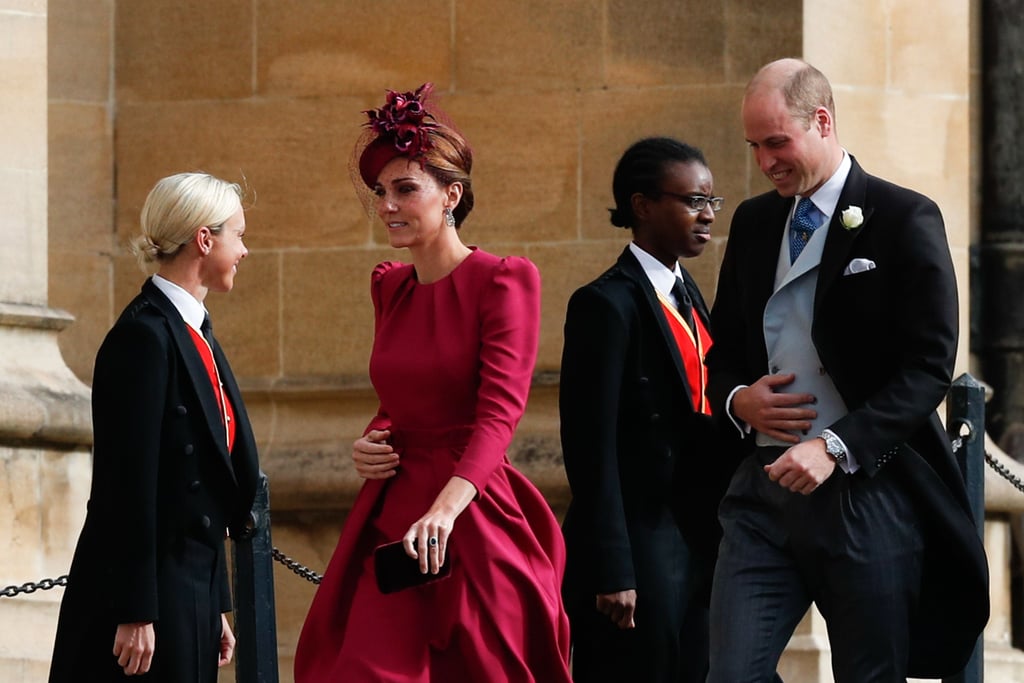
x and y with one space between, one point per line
20 535
292 154
247 320
644 45
756 32
849 42
23 84
931 57
534 44
332 47
81 177
81 283
64 485
80 49
914 140
525 150
327 314
184 49
564 268
705 116
23 238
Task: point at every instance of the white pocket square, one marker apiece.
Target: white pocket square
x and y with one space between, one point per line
859 265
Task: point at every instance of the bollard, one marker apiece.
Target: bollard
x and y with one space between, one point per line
965 420
255 619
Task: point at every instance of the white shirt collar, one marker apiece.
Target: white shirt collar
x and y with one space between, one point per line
191 311
661 277
827 196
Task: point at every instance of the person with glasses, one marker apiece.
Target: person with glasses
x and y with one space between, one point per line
835 325
637 433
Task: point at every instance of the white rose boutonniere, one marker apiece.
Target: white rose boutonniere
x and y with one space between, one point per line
852 217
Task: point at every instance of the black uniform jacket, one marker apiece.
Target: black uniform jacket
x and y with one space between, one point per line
637 454
162 479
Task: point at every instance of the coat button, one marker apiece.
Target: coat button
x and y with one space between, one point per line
205 521
655 417
189 449
182 410
643 380
194 486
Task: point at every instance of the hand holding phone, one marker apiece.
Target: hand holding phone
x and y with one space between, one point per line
396 571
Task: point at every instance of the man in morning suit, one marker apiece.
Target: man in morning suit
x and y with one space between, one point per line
634 419
835 326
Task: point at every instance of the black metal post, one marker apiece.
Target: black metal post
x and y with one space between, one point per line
255 619
965 420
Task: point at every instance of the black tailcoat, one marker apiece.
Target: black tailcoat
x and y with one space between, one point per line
887 337
164 492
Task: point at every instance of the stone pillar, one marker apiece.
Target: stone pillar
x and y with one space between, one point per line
44 409
1001 339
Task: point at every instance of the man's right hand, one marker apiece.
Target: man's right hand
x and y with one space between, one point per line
619 607
134 645
773 412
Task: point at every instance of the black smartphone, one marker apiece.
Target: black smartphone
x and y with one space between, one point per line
396 571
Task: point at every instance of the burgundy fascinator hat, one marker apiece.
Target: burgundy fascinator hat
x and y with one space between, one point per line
400 128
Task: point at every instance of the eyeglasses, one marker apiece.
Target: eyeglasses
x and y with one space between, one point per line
696 202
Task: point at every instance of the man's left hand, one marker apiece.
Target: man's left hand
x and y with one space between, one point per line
802 468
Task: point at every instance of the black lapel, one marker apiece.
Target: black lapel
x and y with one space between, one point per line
633 270
840 239
194 364
761 260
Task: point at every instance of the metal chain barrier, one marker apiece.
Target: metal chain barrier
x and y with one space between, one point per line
1003 472
44 585
998 467
308 574
299 569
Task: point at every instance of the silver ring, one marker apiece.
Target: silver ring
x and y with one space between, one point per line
432 541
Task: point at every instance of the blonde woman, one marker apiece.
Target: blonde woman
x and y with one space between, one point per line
174 461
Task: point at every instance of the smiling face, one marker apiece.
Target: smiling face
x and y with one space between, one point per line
666 227
411 203
798 156
226 251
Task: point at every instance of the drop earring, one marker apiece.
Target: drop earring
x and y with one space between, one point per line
449 217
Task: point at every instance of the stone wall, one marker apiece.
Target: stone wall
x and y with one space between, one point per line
549 92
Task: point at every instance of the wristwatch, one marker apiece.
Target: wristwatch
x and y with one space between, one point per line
834 447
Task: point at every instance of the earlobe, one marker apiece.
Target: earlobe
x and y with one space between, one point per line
204 241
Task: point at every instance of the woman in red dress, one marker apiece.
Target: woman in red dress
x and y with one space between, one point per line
454 350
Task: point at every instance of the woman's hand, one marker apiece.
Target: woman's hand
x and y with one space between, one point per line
619 607
373 455
227 642
427 539
134 645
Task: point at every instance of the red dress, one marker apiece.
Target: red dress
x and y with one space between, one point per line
451 364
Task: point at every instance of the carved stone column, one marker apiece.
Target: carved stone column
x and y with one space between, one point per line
45 431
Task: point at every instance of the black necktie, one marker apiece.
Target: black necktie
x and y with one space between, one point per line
684 304
207 329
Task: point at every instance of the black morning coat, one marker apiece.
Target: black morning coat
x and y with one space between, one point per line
634 446
164 492
887 338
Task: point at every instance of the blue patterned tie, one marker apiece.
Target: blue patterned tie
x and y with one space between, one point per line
801 228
